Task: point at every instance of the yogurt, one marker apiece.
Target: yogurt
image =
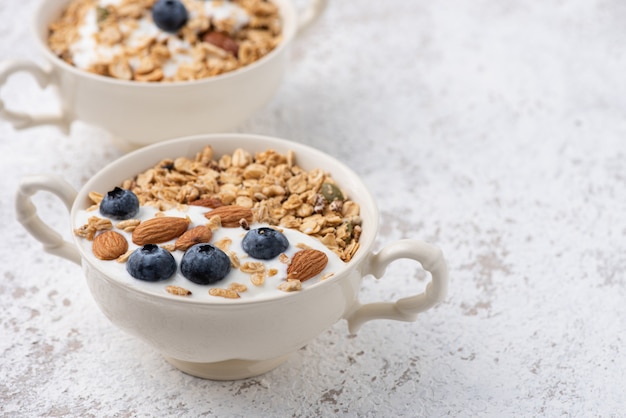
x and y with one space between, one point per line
269 289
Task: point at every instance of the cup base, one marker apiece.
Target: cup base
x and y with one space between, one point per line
227 370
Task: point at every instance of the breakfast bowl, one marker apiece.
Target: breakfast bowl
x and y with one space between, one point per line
138 113
221 330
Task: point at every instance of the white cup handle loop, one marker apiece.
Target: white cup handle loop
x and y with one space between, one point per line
405 309
26 213
311 14
44 77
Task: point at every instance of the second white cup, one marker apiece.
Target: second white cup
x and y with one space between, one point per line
144 113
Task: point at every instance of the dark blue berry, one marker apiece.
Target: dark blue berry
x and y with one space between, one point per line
151 263
119 204
169 15
205 264
264 243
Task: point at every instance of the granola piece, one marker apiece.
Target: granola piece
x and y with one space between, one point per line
224 244
124 257
120 68
93 225
312 225
349 251
109 35
244 201
128 225
155 75
290 286
252 267
169 247
290 221
238 287
274 190
234 259
215 223
293 202
134 10
350 209
95 197
224 293
177 290
305 210
257 279
205 157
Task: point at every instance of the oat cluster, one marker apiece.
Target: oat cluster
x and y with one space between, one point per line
278 192
210 46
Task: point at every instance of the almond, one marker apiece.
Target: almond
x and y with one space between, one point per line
212 202
223 41
194 236
306 264
158 230
109 245
231 216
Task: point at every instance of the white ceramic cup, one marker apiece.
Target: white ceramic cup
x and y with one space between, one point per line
144 113
246 337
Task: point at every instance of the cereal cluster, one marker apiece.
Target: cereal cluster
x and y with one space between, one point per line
205 46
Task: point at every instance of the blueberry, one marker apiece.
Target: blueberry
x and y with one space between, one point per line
151 263
205 264
119 204
169 15
264 243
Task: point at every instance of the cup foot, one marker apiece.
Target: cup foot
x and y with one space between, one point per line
228 369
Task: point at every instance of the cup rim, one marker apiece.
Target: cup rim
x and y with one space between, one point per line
197 142
289 31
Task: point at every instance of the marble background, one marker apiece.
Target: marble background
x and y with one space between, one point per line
495 130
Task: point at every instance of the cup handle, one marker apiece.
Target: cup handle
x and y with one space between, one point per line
26 213
405 309
311 14
44 77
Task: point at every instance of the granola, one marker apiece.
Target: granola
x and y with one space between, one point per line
118 38
280 193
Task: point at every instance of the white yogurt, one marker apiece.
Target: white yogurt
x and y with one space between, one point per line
225 10
86 51
267 290
105 3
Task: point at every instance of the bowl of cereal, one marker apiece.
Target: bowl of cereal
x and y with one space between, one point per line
149 70
227 253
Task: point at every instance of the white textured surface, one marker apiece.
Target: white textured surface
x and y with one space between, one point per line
496 130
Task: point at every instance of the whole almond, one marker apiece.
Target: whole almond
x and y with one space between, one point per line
223 41
109 245
158 230
306 264
231 216
212 202
196 235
